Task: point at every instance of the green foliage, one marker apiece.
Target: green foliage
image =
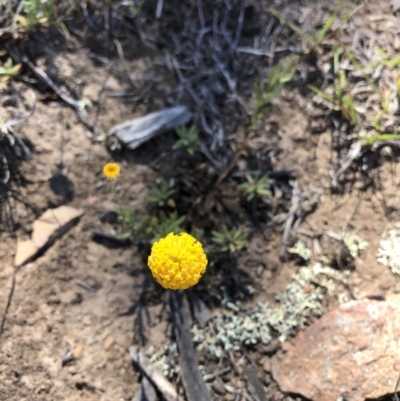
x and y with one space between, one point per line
145 227
36 12
370 140
316 37
8 70
188 138
340 97
197 233
132 225
167 224
230 240
160 194
257 186
279 75
39 12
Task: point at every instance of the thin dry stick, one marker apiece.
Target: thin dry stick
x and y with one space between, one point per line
195 387
395 389
290 218
354 153
99 99
160 4
9 299
17 121
61 92
353 213
163 385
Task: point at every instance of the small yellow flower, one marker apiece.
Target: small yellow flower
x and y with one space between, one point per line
111 171
177 261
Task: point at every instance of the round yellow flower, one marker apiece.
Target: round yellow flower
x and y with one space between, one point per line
111 171
177 261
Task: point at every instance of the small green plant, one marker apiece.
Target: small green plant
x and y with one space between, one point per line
188 138
316 37
264 92
133 226
167 224
257 186
197 233
370 140
340 98
279 75
36 12
161 194
144 226
230 240
8 70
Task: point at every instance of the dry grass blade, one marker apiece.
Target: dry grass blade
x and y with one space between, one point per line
203 52
290 218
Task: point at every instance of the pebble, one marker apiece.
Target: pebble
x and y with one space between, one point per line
108 342
78 351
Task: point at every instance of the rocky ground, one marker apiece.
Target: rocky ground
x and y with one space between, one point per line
307 309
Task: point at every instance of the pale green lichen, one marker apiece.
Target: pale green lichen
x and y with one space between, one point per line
354 244
389 249
233 327
166 359
302 299
300 248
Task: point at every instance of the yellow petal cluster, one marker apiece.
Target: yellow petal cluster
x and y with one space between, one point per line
177 261
111 171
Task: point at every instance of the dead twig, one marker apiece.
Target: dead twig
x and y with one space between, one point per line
163 385
212 376
195 387
61 92
254 384
354 153
124 312
9 299
84 285
20 120
290 218
134 132
146 392
160 4
318 234
396 397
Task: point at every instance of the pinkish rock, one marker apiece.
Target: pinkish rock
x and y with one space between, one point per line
26 251
352 352
52 224
42 231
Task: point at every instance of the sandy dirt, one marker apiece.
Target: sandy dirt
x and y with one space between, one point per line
57 342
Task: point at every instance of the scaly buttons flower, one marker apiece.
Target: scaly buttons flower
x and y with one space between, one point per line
111 171
177 261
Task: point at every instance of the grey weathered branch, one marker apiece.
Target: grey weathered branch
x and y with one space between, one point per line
134 133
156 377
195 387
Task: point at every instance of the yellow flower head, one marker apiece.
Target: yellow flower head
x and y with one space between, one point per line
177 261
111 171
